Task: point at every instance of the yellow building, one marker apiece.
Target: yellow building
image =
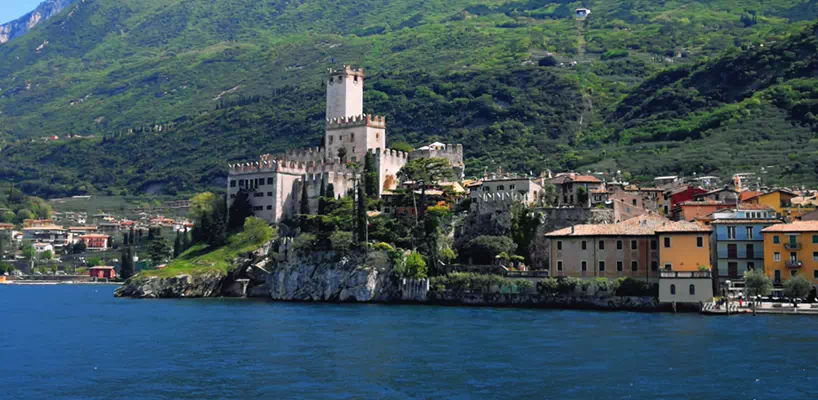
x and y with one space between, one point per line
791 249
684 246
782 202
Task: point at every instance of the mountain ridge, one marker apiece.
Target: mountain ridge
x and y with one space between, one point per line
20 26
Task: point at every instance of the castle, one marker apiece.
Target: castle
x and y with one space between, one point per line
275 181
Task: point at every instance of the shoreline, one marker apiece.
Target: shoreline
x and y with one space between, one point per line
54 283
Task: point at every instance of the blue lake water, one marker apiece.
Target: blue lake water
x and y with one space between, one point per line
80 342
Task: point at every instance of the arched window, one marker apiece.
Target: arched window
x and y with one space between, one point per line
692 289
672 289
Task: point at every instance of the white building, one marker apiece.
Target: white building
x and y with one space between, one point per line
498 194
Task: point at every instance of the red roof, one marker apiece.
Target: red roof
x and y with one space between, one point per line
575 178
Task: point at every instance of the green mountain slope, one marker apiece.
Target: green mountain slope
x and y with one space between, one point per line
202 83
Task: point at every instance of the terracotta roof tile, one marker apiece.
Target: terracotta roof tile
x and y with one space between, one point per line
643 225
683 226
728 221
796 226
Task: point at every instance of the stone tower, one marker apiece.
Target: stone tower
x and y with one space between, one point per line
345 93
347 126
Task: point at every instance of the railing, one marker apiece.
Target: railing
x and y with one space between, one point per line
685 274
792 246
794 264
527 274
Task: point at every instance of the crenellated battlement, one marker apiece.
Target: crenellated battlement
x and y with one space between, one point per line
305 154
372 121
269 163
346 71
388 154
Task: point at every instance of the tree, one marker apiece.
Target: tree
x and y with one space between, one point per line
79 247
322 202
177 245
23 214
240 210
342 154
416 266
29 253
331 191
126 268
159 251
304 202
423 172
210 227
548 195
797 287
150 234
483 249
548 61
361 217
47 255
185 240
402 146
757 284
8 217
131 237
370 175
524 224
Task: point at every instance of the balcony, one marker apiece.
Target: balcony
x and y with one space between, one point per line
792 246
685 274
794 264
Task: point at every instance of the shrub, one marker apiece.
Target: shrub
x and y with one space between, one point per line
255 231
797 287
636 288
416 266
611 54
341 241
548 61
484 248
547 286
304 241
447 255
384 246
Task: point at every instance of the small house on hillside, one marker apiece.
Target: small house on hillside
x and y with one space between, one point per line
582 12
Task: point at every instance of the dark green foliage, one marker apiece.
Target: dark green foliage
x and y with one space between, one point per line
636 288
525 222
331 191
211 228
370 176
79 247
239 211
361 218
483 249
547 61
304 201
177 245
159 251
185 240
126 268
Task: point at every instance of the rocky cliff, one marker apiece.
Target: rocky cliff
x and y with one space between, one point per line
20 26
289 276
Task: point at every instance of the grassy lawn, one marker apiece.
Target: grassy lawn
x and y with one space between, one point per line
201 258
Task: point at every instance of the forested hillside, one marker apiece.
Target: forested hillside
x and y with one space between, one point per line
179 88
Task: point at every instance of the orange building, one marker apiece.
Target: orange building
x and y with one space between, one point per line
684 246
791 249
95 241
103 272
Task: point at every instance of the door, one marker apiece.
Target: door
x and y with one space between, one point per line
792 241
777 276
732 269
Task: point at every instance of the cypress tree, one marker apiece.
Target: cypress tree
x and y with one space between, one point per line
240 210
185 240
361 222
322 202
126 268
177 245
331 191
150 234
305 199
370 175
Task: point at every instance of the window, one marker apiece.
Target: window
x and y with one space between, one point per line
667 242
634 245
777 278
559 265
751 266
776 239
585 266
815 256
749 230
731 232
620 266
633 201
559 243
814 239
776 256
241 183
602 266
732 250
258 194
793 272
654 266
619 245
232 183
511 187
377 136
584 245
634 266
352 138
331 139
692 290
258 208
501 187
602 245
654 244
269 181
751 251
269 194
232 196
269 207
672 289
668 267
815 274
699 241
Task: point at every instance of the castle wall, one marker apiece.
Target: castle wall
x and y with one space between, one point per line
451 152
352 138
388 163
309 154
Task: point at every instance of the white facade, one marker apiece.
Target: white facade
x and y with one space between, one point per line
685 287
502 194
345 93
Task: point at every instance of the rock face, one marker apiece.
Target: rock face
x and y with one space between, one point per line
352 278
20 26
316 276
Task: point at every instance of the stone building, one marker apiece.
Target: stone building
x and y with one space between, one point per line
275 182
501 193
575 189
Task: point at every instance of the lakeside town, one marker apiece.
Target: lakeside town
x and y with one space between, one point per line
697 241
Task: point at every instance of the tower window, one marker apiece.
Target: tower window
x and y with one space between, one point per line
352 137
331 140
377 136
